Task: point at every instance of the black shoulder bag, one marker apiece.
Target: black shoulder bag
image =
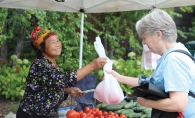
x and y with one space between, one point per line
162 114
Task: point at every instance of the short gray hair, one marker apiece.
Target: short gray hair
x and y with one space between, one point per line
157 20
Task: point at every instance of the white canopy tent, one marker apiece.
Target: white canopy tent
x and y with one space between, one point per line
92 6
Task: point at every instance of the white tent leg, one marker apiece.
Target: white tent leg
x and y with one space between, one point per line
81 40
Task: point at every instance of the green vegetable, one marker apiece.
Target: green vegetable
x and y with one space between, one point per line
103 106
129 105
134 115
120 111
114 107
147 110
98 106
138 109
148 115
127 111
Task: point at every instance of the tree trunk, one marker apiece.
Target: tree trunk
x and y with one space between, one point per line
4 51
20 45
110 53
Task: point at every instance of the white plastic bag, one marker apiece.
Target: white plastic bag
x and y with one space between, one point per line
107 91
149 58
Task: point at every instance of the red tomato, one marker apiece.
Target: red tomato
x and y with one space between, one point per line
93 112
111 113
96 109
116 115
83 115
86 109
100 112
101 116
109 116
97 112
80 112
93 109
104 113
72 114
90 116
122 116
78 115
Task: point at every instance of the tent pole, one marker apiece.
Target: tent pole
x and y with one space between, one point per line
81 40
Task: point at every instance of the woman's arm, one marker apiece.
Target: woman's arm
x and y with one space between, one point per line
95 64
177 102
131 81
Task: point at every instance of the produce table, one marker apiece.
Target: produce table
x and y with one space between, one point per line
128 108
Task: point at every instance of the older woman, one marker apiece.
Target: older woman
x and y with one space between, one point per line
175 72
47 86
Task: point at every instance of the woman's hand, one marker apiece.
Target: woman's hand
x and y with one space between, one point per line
76 92
95 64
98 63
114 74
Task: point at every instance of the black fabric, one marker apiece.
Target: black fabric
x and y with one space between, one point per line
65 96
21 114
149 91
191 94
162 114
87 83
33 115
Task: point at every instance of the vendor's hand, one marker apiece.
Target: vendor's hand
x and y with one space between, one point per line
98 63
114 74
76 92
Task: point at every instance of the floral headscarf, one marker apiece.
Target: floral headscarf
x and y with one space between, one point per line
39 35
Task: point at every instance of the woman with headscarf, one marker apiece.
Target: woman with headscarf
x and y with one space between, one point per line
46 86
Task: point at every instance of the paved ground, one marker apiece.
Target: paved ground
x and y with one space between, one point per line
5 106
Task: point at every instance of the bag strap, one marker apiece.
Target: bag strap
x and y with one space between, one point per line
191 94
188 54
184 52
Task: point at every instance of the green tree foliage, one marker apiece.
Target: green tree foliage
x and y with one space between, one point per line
116 30
189 33
3 16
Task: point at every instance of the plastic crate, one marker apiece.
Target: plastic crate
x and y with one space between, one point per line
67 108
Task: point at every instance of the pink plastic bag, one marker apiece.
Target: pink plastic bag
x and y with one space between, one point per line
107 91
149 58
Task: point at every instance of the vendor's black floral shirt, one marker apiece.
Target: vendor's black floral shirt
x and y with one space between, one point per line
45 88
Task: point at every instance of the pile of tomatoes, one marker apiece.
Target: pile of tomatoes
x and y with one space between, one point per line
92 113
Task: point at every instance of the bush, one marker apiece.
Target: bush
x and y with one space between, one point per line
13 79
